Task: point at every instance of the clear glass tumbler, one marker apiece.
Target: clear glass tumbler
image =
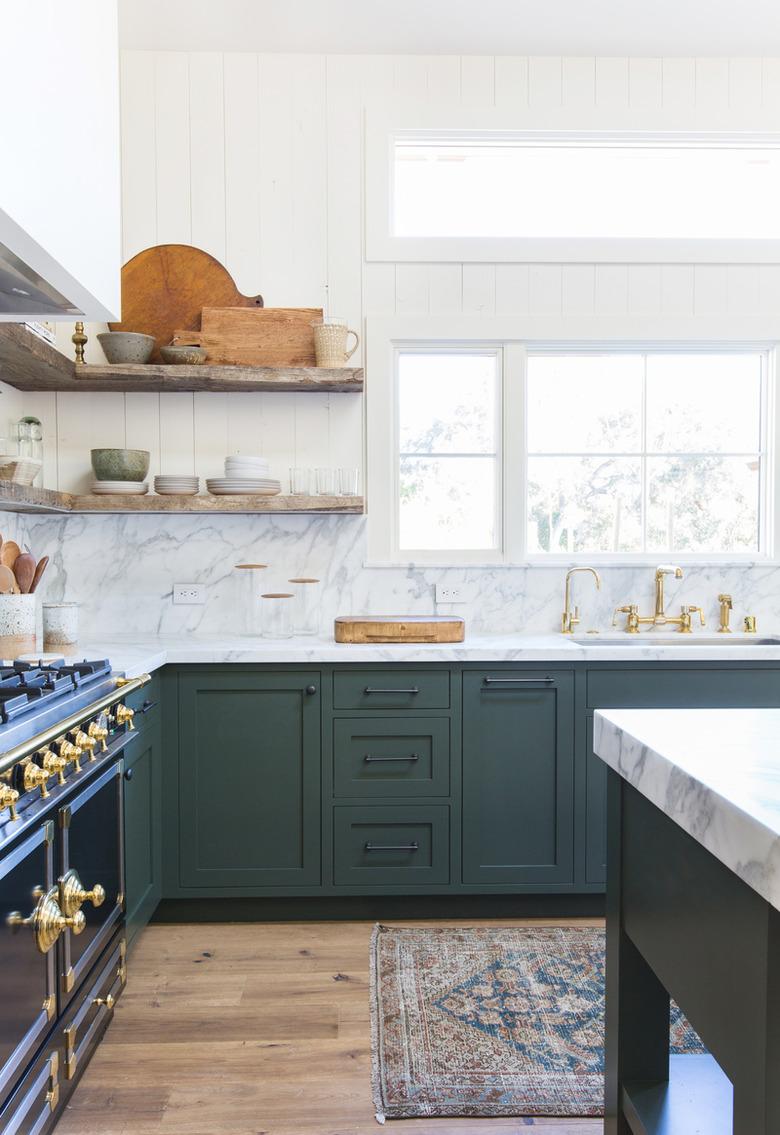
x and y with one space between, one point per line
277 614
300 482
348 482
250 577
326 482
306 615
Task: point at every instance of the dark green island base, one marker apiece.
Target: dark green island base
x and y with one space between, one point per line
681 924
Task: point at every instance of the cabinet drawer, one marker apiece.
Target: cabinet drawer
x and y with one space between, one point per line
391 689
391 845
683 689
389 756
146 703
95 1009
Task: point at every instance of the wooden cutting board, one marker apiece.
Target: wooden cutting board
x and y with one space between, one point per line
273 336
166 287
399 628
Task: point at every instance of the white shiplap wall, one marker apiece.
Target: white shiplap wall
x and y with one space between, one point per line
258 160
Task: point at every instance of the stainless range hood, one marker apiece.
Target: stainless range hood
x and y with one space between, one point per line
24 294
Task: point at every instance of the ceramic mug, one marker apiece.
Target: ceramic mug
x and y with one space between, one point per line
330 342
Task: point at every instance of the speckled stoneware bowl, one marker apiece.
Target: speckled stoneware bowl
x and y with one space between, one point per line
126 346
120 464
182 355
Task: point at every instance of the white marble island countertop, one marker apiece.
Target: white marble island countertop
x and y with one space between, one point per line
136 653
715 772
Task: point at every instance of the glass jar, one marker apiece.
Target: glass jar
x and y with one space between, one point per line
250 588
306 614
29 433
277 614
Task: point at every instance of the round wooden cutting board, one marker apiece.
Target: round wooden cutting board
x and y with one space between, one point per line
164 289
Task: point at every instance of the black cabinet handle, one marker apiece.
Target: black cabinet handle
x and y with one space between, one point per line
517 681
311 690
392 846
129 773
375 690
369 759
147 706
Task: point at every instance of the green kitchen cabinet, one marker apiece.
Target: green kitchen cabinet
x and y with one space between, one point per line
142 827
249 779
518 777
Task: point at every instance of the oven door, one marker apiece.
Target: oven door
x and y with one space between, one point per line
91 873
28 990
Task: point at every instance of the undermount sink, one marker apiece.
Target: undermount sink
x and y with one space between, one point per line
649 639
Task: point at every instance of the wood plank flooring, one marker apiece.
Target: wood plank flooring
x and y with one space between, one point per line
252 1029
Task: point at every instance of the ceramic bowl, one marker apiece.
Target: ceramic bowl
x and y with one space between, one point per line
120 464
185 356
126 346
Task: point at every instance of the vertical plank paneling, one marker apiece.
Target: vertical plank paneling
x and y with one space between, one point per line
743 288
611 289
712 83
309 246
277 215
139 191
679 83
611 82
410 77
512 288
345 433
511 80
279 433
210 432
477 80
577 289
644 289
242 172
207 152
312 429
770 83
645 83
44 406
769 285
245 432
443 78
545 81
544 289
710 289
479 289
142 427
85 422
746 83
378 288
172 148
445 288
345 75
177 435
411 289
677 289
578 84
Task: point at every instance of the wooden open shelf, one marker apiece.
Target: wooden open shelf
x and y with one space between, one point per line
18 498
30 363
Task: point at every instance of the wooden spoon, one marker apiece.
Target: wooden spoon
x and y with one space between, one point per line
40 569
8 582
9 553
24 570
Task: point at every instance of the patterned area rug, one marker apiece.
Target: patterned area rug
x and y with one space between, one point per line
486 1022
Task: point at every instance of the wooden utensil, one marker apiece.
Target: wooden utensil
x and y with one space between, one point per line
8 582
24 570
9 553
273 336
167 286
40 569
399 628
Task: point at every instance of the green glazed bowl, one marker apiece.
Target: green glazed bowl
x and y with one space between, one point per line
120 464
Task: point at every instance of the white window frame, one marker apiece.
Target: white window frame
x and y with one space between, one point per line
451 124
387 336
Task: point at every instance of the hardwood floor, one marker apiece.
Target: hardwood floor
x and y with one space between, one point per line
251 1029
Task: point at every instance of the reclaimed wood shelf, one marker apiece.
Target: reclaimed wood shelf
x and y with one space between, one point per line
30 363
19 498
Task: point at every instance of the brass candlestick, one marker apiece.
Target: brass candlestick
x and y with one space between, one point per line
79 340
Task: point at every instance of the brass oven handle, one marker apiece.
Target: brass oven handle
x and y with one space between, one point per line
47 921
73 895
109 1001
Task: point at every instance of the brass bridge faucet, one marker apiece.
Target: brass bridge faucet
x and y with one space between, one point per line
570 619
660 572
660 618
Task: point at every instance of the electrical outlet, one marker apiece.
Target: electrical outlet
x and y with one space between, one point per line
193 593
450 593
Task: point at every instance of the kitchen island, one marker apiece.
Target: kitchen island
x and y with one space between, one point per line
693 895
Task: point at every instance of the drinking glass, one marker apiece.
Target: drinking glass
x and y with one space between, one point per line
326 482
300 482
348 482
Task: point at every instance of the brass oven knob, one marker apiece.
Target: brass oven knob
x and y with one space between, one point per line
53 764
47 921
72 894
124 715
85 743
99 733
36 777
8 798
71 753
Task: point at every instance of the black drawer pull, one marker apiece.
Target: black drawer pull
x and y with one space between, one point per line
311 690
369 759
376 690
129 773
147 706
517 681
392 846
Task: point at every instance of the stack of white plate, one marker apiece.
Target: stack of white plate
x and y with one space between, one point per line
244 476
120 488
176 485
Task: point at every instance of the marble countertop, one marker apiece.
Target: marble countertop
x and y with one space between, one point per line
134 654
715 772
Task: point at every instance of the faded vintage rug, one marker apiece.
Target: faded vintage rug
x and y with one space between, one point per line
487 1021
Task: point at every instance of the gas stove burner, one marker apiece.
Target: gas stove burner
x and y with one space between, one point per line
26 686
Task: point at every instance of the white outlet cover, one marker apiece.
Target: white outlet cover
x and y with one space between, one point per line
450 593
189 593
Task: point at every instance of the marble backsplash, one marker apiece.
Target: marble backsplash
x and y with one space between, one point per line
121 569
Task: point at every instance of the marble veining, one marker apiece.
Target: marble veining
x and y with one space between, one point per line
121 569
715 772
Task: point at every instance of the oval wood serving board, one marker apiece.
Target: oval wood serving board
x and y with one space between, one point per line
167 286
398 628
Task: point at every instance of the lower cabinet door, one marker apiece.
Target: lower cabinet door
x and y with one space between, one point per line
249 779
142 787
32 1107
518 777
391 845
